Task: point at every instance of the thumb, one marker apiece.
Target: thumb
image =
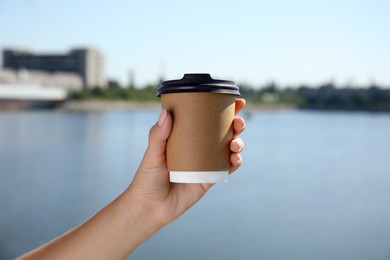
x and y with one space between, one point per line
158 135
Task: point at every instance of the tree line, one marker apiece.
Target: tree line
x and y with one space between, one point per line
322 97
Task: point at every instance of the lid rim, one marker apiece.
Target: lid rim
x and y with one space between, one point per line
217 91
198 83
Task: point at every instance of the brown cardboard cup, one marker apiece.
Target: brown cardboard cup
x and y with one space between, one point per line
198 146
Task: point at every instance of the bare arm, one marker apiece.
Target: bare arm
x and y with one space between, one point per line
148 204
112 233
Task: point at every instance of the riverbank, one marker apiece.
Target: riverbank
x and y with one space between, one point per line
103 105
112 105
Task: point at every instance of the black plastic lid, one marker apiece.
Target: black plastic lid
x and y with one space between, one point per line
198 83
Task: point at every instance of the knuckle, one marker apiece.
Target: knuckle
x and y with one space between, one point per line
152 132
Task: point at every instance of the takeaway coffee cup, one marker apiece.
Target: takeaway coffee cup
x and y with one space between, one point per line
202 109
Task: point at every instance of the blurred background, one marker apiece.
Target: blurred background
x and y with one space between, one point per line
78 86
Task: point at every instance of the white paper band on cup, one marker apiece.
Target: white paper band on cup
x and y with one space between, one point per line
199 177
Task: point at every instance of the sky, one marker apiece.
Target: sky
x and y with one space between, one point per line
253 42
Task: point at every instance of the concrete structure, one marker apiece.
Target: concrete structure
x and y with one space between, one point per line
27 96
31 93
63 80
87 63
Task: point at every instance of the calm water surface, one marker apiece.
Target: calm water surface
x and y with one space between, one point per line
313 185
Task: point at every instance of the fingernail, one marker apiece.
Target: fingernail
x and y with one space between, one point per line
162 117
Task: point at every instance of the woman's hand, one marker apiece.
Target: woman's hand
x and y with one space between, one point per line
151 187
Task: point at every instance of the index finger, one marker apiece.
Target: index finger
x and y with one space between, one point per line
240 104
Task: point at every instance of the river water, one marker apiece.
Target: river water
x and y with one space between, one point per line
314 185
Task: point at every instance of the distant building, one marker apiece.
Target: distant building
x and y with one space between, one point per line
86 63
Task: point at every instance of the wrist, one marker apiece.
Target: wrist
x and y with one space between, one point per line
139 214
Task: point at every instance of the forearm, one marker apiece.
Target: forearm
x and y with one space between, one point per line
113 233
